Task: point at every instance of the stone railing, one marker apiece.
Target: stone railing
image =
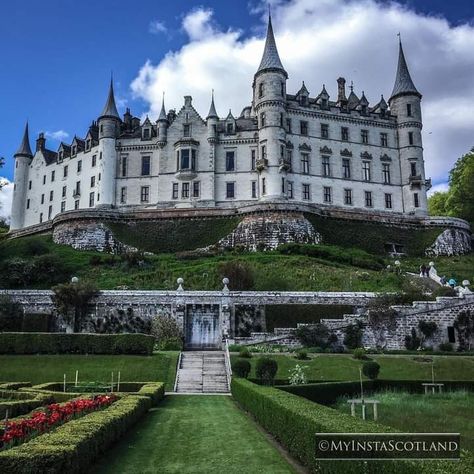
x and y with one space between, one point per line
228 367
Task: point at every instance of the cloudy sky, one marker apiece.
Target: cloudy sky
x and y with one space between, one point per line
57 65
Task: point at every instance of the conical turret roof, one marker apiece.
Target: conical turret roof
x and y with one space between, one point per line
212 109
110 109
25 149
270 58
403 81
163 117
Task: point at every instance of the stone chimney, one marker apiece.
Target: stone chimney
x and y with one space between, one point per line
40 142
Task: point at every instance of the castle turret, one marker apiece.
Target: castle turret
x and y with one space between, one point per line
269 106
23 159
212 120
109 129
163 124
405 103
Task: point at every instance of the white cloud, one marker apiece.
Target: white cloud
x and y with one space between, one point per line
318 41
440 187
6 196
157 27
57 135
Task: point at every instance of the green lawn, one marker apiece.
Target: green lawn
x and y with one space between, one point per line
51 368
453 412
345 367
194 434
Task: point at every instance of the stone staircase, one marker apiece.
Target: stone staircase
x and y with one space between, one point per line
202 372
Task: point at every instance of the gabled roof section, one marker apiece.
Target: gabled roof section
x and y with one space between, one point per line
352 100
271 58
323 94
303 90
403 82
24 148
110 109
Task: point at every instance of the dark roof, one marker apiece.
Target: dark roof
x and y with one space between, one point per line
49 156
24 148
270 58
110 109
403 82
212 109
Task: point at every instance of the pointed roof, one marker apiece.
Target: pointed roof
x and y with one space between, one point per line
303 90
24 148
270 58
163 116
352 100
110 109
324 93
230 116
403 82
212 109
363 100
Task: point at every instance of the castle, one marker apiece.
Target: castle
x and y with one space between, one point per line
283 151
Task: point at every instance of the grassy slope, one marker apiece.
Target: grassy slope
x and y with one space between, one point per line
194 434
50 368
344 367
432 414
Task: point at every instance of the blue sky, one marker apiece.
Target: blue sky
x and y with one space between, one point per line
57 55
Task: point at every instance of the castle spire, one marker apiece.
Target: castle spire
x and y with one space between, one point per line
163 111
110 109
212 110
270 59
25 149
403 82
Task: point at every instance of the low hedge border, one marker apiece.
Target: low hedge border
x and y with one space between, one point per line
14 385
293 421
73 446
21 402
78 343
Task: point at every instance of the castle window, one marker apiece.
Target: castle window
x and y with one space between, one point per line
282 89
230 161
77 191
282 152
186 130
51 196
65 170
363 110
346 168
416 200
386 173
254 189
303 127
91 199
306 192
144 193
124 166
366 170
324 103
100 155
100 176
303 100
101 129
327 194
186 159
50 212
253 159
383 139
196 189
348 197
305 163
44 179
388 201
364 136
63 206
42 199
146 165
283 185
94 160
175 192
324 130
288 125
41 217
281 119
264 152
29 185
53 175
411 140
289 159
260 90
262 119
230 190
326 166
92 181
64 191
368 198
27 203
413 169
230 128
60 156
408 110
185 191
76 204
79 166
344 134
264 186
146 134
74 150
289 189
88 144
123 195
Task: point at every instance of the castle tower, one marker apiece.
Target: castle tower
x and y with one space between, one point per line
109 128
162 124
269 106
23 159
212 119
405 103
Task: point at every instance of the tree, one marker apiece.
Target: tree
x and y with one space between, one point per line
313 335
464 325
167 332
266 369
371 369
353 335
240 275
71 301
437 204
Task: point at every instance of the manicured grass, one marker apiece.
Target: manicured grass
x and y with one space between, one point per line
51 368
194 434
452 411
345 367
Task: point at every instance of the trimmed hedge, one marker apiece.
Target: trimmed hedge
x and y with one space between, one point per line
78 343
20 403
73 446
14 385
294 421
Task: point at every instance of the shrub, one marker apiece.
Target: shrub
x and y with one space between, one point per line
171 344
301 355
167 332
412 341
241 368
353 335
266 369
240 275
81 343
371 369
245 353
11 314
313 335
359 353
297 375
50 268
95 260
427 328
446 347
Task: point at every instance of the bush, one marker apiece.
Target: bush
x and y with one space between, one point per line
412 341
301 355
73 447
313 335
371 369
81 343
11 314
240 275
446 347
245 353
353 335
175 344
359 353
266 369
241 368
168 334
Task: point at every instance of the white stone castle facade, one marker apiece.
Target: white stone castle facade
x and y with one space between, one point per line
341 153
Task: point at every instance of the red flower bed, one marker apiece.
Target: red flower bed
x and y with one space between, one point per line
17 432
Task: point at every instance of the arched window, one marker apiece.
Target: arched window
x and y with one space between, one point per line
260 90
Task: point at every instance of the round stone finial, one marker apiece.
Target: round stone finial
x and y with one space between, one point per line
180 281
397 263
431 264
225 281
74 280
466 283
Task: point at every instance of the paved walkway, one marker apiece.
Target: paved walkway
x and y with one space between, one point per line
195 434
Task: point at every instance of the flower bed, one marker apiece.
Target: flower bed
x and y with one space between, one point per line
18 432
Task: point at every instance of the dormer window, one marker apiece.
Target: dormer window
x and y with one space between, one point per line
230 128
146 134
324 103
74 150
363 110
60 156
261 90
88 144
303 100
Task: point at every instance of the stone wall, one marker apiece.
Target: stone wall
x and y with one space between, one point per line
451 242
